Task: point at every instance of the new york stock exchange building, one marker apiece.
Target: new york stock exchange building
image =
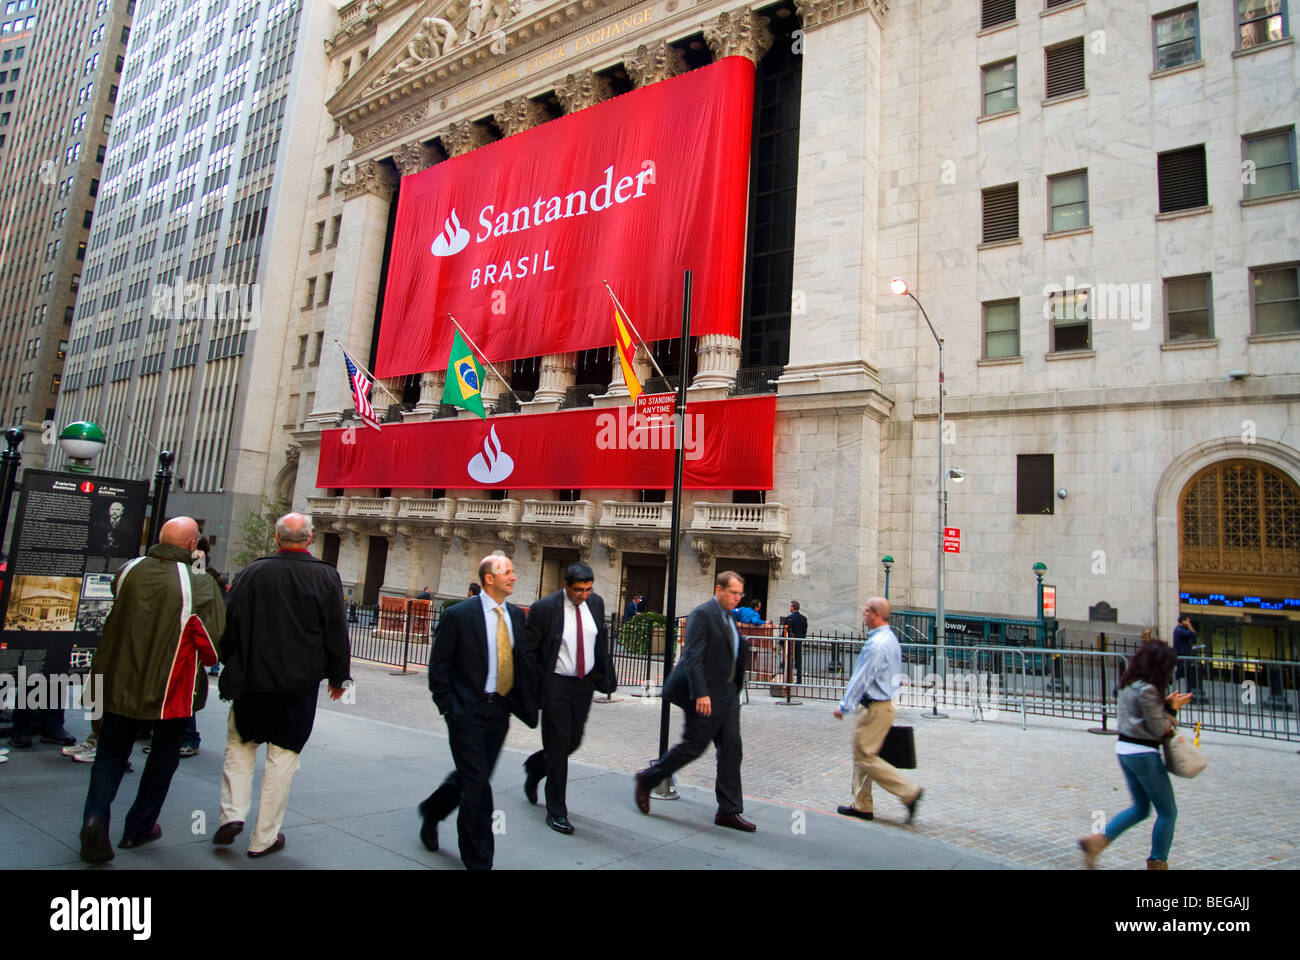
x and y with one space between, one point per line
1060 185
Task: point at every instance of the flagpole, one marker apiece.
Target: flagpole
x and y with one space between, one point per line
373 378
475 347
623 311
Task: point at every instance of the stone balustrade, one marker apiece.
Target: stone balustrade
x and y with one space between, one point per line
469 510
740 517
321 507
573 513
415 508
373 507
648 516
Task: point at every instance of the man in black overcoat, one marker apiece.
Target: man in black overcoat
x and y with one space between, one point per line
706 683
286 631
567 630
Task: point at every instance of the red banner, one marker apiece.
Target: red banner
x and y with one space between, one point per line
727 444
515 238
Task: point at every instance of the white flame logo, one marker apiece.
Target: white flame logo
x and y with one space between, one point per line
491 466
453 239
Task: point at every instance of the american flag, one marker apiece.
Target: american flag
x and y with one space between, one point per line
360 392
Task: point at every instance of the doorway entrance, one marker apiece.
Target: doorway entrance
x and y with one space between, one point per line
646 574
376 563
755 573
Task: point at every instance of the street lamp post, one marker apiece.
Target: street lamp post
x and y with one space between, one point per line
899 287
887 562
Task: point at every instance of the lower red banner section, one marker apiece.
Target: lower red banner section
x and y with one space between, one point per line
727 446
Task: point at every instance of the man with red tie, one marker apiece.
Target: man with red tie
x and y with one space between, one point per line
567 630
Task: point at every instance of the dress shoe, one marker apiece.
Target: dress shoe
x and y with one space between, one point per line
60 736
531 781
428 828
911 807
227 832
278 845
855 812
735 821
559 824
20 741
1157 865
95 845
130 843
642 793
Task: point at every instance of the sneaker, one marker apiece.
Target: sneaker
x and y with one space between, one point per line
4 758
87 744
188 751
88 756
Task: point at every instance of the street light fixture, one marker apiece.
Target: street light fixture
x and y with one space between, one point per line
887 562
956 475
900 288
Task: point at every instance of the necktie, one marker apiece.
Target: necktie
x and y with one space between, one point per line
505 658
582 661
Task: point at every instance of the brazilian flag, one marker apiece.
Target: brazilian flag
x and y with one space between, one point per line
464 381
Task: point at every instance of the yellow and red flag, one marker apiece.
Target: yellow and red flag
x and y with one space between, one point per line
626 351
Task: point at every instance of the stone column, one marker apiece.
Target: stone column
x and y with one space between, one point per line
836 259
557 373
640 366
519 114
351 312
460 138
737 33
431 384
577 91
654 62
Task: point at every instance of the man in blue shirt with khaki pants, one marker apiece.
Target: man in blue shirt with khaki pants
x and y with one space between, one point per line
870 693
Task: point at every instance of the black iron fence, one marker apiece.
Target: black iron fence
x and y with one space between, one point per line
1247 696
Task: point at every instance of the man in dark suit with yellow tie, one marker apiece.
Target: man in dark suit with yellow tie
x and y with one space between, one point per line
567 629
706 683
480 672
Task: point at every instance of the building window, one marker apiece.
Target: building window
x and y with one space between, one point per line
311 293
335 226
329 181
325 289
1068 196
1176 36
1035 478
1238 515
302 350
1260 21
1001 213
1000 87
1187 308
1270 163
993 12
1071 327
320 236
1057 3
1275 298
318 347
1182 182
1064 68
1001 329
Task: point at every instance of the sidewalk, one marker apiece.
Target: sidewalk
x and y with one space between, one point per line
996 795
353 806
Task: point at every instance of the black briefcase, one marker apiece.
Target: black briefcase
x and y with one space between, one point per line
899 749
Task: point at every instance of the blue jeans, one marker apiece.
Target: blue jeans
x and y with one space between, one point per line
1148 782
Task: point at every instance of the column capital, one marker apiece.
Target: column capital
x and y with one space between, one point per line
460 138
584 89
814 13
519 114
415 156
740 33
654 62
367 177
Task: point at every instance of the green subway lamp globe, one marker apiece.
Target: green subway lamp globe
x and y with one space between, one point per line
81 442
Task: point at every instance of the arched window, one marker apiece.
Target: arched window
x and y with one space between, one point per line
1240 516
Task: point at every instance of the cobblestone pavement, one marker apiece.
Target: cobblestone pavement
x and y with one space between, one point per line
1024 796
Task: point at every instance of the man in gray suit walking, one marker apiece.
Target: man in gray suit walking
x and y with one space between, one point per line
706 684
